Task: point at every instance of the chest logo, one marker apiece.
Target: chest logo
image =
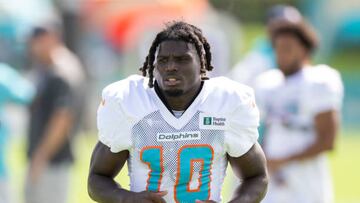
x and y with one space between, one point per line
207 120
212 122
178 136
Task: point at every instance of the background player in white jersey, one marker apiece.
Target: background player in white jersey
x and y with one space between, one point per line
177 130
300 105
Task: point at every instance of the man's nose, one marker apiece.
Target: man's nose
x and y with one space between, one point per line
171 66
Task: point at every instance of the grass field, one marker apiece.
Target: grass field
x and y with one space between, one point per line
345 165
344 161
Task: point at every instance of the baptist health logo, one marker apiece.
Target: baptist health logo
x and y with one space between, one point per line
214 121
207 120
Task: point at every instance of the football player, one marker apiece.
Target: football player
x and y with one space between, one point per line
177 129
300 105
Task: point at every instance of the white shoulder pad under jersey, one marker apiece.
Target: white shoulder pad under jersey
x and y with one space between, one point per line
237 103
264 82
122 103
327 88
268 79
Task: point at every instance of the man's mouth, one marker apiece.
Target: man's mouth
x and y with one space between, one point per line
171 81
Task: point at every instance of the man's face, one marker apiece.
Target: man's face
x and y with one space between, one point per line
290 53
177 68
40 48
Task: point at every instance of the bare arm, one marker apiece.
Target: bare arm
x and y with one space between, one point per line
104 166
251 168
326 127
55 135
102 187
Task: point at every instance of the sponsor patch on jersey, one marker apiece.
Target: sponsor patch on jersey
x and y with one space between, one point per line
209 122
178 136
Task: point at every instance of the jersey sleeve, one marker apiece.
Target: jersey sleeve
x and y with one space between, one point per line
112 123
242 132
328 95
21 91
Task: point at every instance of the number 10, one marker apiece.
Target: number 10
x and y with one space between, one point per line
187 156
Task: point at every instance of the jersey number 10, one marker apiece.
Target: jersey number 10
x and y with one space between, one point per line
187 156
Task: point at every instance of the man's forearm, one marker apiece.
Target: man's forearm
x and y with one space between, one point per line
310 152
251 190
103 189
56 133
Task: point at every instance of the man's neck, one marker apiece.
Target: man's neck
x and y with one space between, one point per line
177 103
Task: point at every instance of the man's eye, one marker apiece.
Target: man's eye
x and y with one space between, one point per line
183 59
162 60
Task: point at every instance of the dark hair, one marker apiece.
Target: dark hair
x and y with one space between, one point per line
306 41
300 29
38 31
46 29
181 31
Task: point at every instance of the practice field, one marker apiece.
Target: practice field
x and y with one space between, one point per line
344 161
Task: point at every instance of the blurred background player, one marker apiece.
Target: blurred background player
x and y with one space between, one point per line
13 89
261 57
300 105
54 116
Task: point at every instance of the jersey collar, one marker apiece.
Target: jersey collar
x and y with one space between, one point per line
167 114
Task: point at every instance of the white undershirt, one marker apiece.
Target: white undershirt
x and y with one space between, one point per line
177 114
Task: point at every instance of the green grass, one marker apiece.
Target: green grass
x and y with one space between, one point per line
344 163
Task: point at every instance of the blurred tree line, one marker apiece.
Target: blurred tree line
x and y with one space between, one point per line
249 11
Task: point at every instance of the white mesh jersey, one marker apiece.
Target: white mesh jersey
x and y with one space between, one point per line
185 156
289 106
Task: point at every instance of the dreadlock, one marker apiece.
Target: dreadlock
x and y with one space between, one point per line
179 30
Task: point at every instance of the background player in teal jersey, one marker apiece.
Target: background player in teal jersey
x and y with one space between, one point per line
13 89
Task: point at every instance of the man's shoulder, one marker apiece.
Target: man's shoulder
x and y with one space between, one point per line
55 82
224 95
268 79
226 85
133 84
323 75
227 88
322 78
130 94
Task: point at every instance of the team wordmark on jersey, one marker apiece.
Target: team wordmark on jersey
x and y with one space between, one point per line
178 136
211 122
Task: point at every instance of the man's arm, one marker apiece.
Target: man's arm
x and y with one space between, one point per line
251 168
326 127
55 135
104 167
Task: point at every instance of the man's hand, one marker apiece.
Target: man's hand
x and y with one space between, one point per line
148 197
37 166
54 137
102 187
275 164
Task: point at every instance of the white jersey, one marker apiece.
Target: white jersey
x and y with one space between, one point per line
185 156
289 106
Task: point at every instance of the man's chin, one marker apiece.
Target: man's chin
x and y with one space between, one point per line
173 93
